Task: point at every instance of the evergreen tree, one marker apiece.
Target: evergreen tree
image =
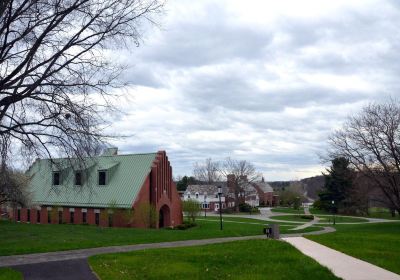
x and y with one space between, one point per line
338 185
182 184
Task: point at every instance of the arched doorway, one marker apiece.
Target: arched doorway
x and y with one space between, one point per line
164 217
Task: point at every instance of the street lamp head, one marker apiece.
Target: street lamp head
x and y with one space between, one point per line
219 190
333 202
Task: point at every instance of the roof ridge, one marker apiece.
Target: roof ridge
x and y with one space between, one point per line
139 154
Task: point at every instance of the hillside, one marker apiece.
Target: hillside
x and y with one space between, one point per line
312 185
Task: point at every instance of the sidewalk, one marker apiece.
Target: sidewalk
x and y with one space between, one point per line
342 265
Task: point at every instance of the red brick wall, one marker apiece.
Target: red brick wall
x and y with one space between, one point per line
90 217
159 189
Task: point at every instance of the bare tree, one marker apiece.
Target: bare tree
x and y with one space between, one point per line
239 172
55 74
207 172
371 142
56 71
13 188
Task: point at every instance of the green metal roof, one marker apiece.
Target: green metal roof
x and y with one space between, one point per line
125 176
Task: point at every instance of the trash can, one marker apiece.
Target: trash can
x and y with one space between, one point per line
267 230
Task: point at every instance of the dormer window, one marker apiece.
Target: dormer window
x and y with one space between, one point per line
56 178
78 178
197 195
102 177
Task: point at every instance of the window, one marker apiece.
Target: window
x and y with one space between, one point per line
216 206
38 216
48 216
188 195
28 215
71 217
102 177
205 206
197 195
78 178
97 218
56 178
60 217
84 218
19 215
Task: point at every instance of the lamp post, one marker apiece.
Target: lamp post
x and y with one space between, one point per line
333 210
205 204
220 205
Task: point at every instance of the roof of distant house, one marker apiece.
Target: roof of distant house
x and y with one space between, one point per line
264 186
208 189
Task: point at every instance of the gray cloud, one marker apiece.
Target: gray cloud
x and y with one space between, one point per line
216 81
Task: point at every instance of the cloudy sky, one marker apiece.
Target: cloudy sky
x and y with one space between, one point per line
265 81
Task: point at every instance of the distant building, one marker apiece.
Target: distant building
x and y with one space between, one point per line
206 195
265 193
252 193
84 193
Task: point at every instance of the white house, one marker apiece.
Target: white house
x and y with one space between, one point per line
206 195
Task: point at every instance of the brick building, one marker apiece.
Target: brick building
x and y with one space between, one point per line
102 190
265 193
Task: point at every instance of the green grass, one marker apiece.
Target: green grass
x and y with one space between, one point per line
375 243
287 210
319 211
10 274
382 213
292 218
324 219
342 219
252 259
19 238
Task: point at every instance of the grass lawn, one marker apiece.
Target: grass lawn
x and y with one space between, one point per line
342 219
287 210
375 243
382 213
10 274
252 259
319 211
25 238
324 219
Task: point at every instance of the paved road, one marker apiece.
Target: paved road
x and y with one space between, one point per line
59 270
340 264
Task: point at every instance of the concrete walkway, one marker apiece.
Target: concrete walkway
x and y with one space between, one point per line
340 264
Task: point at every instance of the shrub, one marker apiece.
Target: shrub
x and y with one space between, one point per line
146 214
244 207
307 217
186 225
230 210
317 204
191 208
